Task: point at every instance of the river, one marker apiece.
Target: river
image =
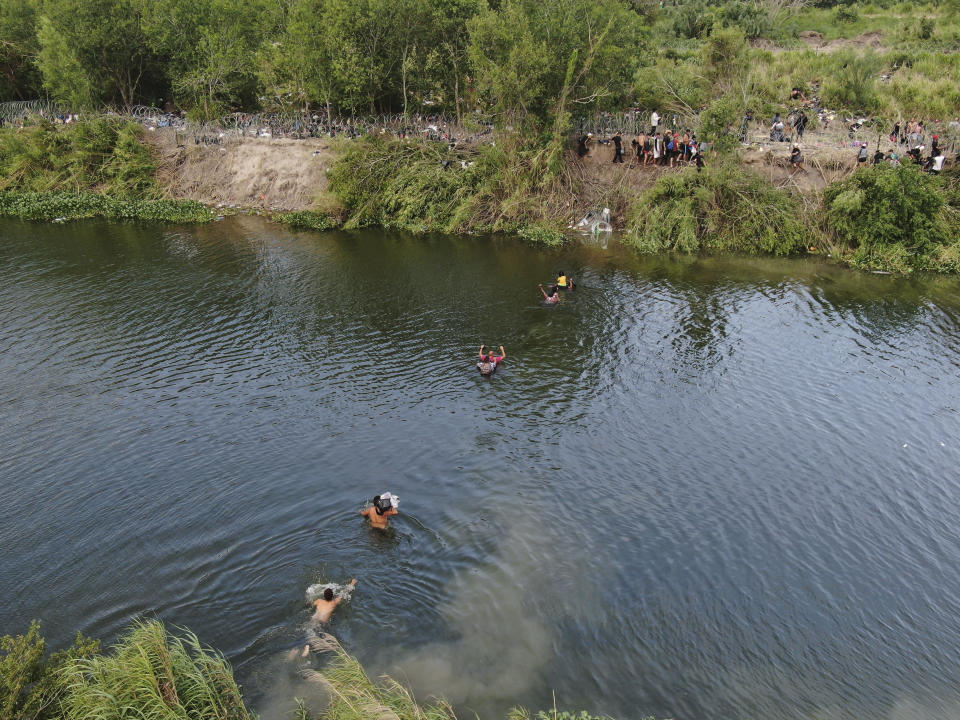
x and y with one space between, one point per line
698 488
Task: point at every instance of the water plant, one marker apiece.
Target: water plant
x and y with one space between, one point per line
61 206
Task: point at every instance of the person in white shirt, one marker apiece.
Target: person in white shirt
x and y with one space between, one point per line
654 122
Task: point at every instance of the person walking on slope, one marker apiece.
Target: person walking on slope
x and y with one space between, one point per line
617 148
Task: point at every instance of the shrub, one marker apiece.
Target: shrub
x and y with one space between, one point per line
891 217
723 208
353 696
853 84
29 687
104 155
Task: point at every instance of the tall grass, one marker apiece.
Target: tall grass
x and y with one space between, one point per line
103 155
427 187
152 675
354 696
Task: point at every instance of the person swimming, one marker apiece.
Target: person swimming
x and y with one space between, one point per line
488 363
553 297
563 282
327 603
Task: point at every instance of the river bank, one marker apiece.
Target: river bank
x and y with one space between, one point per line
748 200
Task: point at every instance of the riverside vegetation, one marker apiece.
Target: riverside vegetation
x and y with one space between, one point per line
99 168
152 674
528 67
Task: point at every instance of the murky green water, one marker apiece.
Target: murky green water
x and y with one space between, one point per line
697 489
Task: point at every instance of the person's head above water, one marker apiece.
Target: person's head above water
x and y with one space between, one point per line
328 594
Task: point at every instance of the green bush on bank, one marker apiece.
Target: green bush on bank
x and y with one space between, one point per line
30 687
104 155
895 219
723 208
67 206
424 187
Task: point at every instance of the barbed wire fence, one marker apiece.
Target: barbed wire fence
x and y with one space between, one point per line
238 127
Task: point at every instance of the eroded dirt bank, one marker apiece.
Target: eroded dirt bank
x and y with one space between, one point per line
279 174
274 174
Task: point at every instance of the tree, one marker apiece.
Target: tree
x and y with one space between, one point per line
108 59
19 77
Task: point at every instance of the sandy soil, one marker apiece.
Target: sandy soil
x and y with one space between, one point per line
275 174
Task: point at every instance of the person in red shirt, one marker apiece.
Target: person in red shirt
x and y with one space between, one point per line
488 363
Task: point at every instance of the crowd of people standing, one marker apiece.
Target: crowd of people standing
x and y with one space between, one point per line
667 147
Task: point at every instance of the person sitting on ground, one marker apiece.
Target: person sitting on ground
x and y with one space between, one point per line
326 604
564 282
384 506
796 159
797 94
553 297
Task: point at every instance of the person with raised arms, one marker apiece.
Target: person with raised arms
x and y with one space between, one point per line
553 297
488 363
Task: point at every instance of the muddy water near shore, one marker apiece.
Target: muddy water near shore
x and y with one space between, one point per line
698 488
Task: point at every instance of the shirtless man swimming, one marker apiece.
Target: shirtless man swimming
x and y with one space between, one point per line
327 604
377 516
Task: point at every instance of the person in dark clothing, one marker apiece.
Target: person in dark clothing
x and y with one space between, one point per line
800 124
878 157
617 148
582 148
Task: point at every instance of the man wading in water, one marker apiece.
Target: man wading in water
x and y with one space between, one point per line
383 507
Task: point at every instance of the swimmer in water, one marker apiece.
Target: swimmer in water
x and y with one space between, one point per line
491 358
383 507
563 282
327 604
553 297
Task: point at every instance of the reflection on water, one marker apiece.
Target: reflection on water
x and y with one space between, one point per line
698 488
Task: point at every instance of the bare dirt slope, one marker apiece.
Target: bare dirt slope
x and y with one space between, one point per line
275 174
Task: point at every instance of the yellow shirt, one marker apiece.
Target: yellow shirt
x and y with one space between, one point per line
562 281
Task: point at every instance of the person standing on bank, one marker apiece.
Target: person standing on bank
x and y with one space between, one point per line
617 147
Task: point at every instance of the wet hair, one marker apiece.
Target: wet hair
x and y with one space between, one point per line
376 505
559 273
328 594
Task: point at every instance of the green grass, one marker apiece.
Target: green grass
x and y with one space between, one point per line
425 187
103 155
354 696
152 675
